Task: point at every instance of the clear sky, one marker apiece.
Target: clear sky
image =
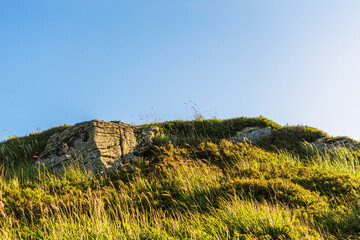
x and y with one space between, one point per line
294 62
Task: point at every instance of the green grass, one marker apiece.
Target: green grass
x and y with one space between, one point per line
191 185
212 128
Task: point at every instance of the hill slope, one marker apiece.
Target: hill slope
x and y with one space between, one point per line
195 183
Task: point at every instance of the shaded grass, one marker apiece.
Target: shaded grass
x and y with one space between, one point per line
18 150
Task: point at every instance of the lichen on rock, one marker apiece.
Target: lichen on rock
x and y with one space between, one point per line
97 145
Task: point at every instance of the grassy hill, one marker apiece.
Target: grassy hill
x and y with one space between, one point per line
195 183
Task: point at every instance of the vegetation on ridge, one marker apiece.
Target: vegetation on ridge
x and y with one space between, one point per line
194 184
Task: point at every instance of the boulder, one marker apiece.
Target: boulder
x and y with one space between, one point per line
331 144
97 145
253 134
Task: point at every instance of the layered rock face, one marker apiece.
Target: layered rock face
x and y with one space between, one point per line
97 145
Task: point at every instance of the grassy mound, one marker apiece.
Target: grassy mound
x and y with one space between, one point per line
194 184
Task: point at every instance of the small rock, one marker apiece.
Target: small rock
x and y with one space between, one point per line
253 134
322 144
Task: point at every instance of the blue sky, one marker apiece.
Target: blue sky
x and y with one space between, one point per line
295 62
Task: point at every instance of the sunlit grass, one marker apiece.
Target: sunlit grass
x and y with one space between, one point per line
187 187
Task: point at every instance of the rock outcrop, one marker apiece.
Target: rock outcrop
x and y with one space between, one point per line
97 145
253 134
324 144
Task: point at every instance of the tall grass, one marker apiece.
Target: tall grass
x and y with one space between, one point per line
192 185
339 159
206 191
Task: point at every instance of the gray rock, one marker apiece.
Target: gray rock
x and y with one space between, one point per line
97 145
324 144
253 134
